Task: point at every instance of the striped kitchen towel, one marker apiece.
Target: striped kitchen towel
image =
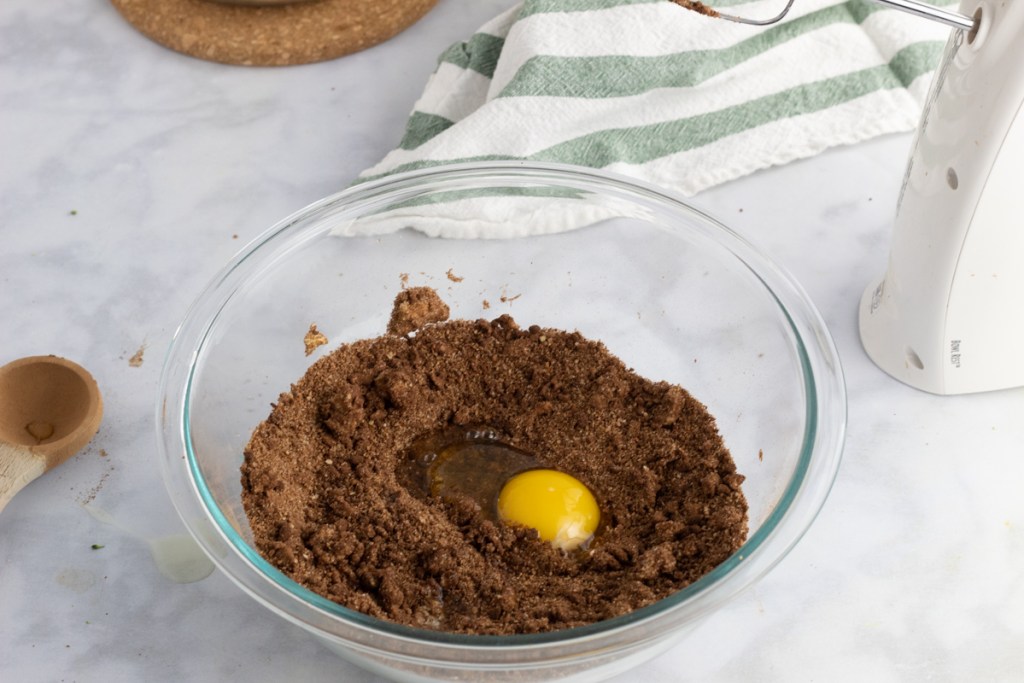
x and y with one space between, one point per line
648 89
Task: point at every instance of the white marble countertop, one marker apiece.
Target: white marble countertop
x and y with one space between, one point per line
131 174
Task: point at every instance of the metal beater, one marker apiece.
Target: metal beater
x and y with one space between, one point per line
920 9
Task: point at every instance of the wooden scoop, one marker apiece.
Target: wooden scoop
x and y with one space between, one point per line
49 409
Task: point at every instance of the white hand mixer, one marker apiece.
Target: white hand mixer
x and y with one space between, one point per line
948 316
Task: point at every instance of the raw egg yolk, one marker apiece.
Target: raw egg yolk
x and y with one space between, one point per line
561 509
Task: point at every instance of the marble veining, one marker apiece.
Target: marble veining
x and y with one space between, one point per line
131 174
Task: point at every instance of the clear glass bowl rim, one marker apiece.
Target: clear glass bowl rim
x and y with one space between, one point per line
800 503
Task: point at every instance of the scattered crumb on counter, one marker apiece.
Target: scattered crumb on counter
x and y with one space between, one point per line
90 495
453 277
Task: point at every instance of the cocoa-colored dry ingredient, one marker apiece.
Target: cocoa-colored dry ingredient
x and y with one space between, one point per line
698 7
322 491
414 308
313 339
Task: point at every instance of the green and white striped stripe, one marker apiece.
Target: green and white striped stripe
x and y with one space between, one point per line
645 88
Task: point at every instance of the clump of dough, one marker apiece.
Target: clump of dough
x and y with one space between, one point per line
414 308
313 339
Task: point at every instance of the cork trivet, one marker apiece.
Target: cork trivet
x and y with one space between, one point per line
280 35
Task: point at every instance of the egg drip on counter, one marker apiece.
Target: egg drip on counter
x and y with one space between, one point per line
506 484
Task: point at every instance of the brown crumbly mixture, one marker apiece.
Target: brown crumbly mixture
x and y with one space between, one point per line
414 308
698 7
314 339
322 491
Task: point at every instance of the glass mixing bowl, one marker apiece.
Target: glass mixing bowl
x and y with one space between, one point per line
675 294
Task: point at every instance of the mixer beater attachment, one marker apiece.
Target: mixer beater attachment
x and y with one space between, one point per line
920 9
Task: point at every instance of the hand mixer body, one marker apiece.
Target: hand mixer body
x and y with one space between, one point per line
948 317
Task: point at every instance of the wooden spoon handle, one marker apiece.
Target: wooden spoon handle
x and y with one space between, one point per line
18 466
